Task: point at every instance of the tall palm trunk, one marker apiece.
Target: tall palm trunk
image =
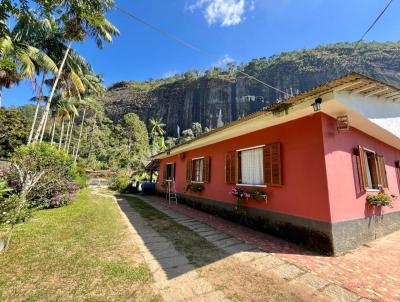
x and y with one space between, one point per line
71 131
67 135
34 122
39 96
53 130
42 125
61 133
91 137
80 136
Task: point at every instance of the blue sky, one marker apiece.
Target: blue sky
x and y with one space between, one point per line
230 29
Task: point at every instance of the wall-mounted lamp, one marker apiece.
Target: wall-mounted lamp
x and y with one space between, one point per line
317 104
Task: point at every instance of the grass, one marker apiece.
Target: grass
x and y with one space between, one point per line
81 252
198 250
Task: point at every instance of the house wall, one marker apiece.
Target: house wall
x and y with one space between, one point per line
384 113
304 191
354 222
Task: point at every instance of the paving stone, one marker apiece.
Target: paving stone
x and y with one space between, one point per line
207 233
213 238
173 261
160 254
266 263
159 246
312 281
179 270
177 293
288 271
339 294
154 239
227 242
364 300
239 248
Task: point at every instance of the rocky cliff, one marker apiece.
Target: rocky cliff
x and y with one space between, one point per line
223 93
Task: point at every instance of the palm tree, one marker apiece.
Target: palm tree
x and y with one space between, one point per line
8 75
83 18
157 132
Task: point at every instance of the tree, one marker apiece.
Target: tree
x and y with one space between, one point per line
197 129
136 134
157 133
8 74
14 131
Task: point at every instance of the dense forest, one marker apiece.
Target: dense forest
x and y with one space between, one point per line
200 95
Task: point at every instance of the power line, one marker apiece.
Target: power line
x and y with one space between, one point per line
190 46
373 24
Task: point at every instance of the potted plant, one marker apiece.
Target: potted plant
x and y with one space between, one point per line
195 187
243 195
379 200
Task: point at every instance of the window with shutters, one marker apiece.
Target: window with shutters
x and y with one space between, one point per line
372 171
198 169
251 166
169 172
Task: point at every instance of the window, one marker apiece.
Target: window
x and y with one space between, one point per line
251 165
198 169
169 171
254 166
371 170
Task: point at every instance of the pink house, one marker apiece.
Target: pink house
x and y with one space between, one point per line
306 166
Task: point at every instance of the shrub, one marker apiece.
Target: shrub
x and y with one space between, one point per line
8 211
120 183
42 175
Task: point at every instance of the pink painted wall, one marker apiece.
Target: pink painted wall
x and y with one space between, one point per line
346 202
304 192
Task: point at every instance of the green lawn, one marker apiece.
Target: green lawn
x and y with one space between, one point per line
82 252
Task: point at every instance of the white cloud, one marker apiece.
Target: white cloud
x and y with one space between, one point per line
222 62
223 12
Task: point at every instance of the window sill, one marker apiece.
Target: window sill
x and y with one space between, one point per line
372 190
246 185
197 182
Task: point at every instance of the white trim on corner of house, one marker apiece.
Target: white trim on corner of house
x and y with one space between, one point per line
246 185
254 147
197 158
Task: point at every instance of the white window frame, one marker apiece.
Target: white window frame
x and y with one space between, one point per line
246 149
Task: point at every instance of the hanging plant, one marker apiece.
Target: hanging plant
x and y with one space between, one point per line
243 195
380 200
195 187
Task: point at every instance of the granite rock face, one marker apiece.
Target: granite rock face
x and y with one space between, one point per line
187 98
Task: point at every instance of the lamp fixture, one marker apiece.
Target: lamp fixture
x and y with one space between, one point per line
317 104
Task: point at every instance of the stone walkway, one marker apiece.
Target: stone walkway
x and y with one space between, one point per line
250 254
176 279
371 271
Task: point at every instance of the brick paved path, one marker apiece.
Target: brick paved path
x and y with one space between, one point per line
371 271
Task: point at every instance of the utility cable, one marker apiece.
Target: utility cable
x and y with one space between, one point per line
191 46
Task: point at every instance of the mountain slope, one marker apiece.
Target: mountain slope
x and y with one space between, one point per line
200 96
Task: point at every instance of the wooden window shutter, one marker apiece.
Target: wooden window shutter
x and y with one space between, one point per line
362 172
382 177
189 167
272 164
165 172
230 167
206 169
173 171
